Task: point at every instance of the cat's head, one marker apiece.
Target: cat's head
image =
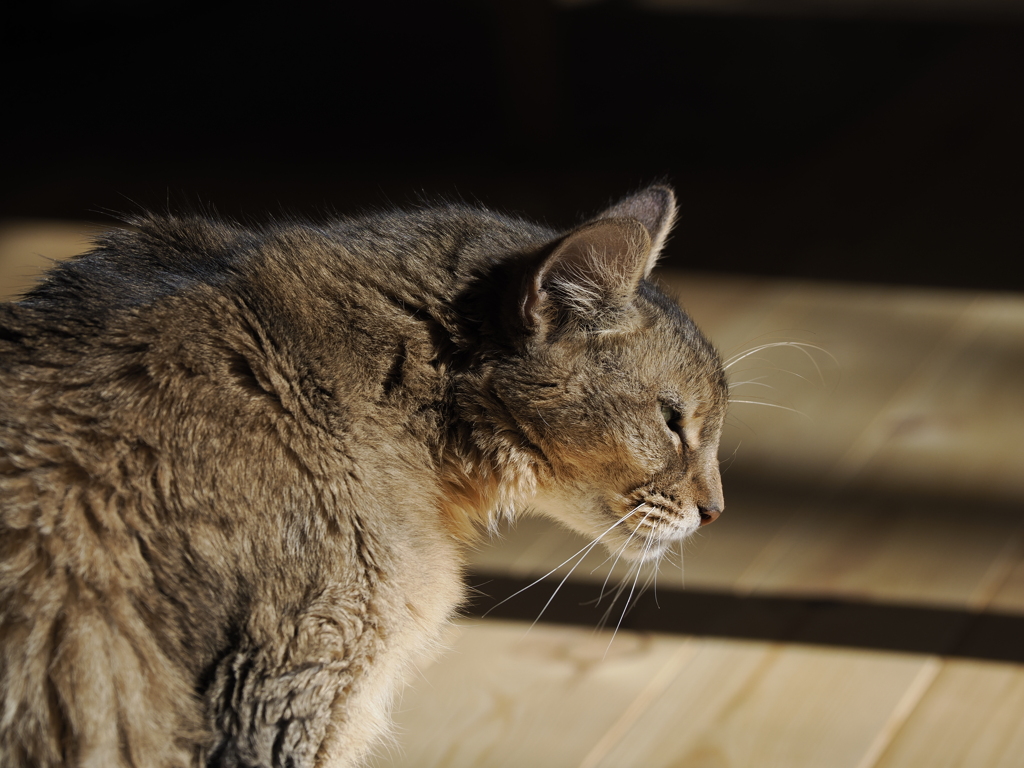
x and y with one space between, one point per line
613 390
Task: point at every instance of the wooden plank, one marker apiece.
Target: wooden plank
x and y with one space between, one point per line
505 697
941 456
747 704
878 339
958 429
1008 578
971 716
872 545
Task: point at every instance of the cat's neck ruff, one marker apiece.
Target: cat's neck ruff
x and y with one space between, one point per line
483 487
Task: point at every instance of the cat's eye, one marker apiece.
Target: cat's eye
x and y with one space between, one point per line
669 414
673 419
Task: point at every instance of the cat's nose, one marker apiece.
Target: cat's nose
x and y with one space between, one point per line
708 515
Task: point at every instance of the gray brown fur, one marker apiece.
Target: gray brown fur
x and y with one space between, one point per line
239 468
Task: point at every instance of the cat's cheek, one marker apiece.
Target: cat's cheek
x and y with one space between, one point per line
582 511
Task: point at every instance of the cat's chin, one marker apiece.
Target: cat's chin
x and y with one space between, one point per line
651 535
639 533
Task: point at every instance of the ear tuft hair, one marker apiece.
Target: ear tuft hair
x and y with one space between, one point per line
591 270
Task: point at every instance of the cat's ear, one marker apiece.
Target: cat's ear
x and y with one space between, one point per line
591 270
655 208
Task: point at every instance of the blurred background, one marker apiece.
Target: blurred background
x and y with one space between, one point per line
871 140
851 184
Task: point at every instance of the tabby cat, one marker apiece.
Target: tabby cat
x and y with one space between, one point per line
240 468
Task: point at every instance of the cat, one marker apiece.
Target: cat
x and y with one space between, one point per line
241 467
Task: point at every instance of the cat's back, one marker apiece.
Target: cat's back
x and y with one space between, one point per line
191 410
184 294
241 356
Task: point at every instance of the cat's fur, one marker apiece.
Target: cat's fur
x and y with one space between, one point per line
240 467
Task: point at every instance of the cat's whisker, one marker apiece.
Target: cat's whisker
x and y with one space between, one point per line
649 582
619 555
639 569
611 569
606 559
619 589
771 405
668 557
755 380
582 556
729 458
682 567
770 364
654 578
733 420
752 383
629 597
582 553
802 346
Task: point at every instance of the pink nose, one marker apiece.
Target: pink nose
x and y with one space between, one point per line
708 516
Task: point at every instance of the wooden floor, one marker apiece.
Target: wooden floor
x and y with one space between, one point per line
892 495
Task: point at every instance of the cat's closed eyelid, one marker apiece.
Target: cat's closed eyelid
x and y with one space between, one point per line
671 410
674 423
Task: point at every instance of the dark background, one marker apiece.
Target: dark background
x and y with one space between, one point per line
874 148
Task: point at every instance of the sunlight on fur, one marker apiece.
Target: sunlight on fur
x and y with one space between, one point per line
241 468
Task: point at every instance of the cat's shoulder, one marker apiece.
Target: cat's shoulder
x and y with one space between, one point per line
150 256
